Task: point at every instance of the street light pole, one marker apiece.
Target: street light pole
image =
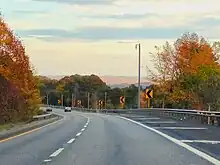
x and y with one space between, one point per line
62 99
47 99
138 46
105 99
72 100
88 95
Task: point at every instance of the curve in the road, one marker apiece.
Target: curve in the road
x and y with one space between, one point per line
32 130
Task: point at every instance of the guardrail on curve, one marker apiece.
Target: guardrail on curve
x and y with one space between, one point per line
205 117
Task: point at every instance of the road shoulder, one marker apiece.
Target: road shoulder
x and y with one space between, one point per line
23 128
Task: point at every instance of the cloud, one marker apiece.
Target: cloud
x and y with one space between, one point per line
102 33
121 16
25 12
81 2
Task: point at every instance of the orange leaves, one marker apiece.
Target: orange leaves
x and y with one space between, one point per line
193 53
15 68
181 68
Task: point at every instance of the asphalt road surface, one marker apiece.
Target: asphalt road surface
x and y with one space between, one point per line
204 137
96 139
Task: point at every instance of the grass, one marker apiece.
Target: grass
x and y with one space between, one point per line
5 127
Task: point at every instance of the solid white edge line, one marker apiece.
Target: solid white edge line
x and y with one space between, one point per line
71 141
57 152
150 118
79 134
182 128
160 122
47 160
200 141
178 142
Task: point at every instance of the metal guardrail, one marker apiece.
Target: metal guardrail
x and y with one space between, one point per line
40 117
195 116
187 115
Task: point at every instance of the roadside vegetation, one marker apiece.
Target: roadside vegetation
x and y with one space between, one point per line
19 93
187 74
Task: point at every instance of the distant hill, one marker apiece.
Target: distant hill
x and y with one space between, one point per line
114 81
123 85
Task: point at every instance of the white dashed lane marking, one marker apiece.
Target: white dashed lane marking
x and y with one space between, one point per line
71 141
47 160
78 134
57 152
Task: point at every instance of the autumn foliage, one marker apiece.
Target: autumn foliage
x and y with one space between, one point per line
186 72
19 95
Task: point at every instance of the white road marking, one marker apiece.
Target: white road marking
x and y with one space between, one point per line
186 128
160 122
71 140
79 134
85 126
47 160
201 141
147 118
82 129
178 142
57 152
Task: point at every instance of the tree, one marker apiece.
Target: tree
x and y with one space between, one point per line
179 69
16 70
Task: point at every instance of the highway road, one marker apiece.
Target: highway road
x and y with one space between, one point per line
98 139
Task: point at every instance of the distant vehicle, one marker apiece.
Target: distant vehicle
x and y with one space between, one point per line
67 109
49 110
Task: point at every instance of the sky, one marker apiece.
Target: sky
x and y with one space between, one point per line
64 37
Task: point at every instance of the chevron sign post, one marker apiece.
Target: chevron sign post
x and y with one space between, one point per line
148 95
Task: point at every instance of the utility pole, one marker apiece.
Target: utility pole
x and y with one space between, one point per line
72 100
105 99
62 99
88 100
47 99
138 46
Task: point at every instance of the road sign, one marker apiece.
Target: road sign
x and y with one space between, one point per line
100 102
149 93
122 100
79 102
